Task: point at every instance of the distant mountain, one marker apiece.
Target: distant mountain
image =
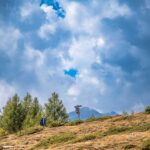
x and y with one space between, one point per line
87 112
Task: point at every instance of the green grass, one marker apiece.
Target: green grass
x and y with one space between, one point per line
129 146
141 128
56 139
98 118
146 145
73 123
29 131
56 124
121 118
116 130
85 138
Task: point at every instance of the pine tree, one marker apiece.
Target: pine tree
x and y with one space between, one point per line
33 112
55 109
26 104
12 117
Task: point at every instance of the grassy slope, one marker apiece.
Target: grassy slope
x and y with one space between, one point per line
114 133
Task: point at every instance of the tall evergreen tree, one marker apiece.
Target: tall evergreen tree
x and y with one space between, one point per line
12 117
55 109
33 115
26 104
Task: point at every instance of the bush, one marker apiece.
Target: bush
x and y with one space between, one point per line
29 131
2 132
147 110
146 145
56 124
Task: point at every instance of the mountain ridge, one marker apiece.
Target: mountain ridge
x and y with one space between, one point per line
86 112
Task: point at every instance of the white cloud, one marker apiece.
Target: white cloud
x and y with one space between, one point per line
28 9
34 57
9 40
113 9
85 46
49 11
6 91
47 29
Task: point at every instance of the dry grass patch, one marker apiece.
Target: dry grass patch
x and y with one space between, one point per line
56 139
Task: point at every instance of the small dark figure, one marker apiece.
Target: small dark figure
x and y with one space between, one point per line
77 110
43 122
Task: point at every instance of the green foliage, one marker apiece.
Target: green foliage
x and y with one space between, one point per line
147 110
55 123
146 145
121 118
33 112
55 109
12 117
29 131
85 138
2 132
19 114
56 139
116 130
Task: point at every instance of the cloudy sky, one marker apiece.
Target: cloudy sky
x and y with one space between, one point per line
92 52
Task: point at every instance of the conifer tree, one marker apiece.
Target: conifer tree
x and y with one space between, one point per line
55 109
32 111
12 117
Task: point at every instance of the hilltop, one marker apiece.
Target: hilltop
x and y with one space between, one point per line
104 133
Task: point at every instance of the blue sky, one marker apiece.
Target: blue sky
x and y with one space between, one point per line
95 52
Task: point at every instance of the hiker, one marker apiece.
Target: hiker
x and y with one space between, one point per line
43 121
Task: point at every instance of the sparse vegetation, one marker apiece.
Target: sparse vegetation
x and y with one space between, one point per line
75 122
87 134
98 118
29 131
116 130
146 145
56 139
85 138
129 146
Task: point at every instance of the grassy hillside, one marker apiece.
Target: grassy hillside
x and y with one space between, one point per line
107 133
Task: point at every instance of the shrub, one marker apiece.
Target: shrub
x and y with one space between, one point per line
147 110
146 145
56 124
2 132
